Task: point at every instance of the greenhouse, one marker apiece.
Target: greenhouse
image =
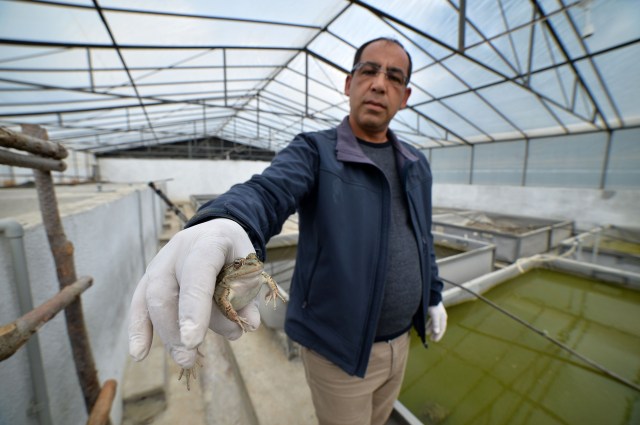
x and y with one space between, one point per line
528 113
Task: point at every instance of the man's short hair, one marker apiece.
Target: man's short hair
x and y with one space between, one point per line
358 55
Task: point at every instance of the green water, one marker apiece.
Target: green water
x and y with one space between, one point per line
618 245
489 369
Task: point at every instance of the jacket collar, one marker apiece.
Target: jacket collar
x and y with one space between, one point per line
348 149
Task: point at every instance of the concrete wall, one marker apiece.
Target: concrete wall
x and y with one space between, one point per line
586 207
184 177
114 235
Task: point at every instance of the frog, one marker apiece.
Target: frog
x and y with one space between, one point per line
228 301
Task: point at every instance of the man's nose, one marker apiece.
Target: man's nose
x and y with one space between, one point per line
379 82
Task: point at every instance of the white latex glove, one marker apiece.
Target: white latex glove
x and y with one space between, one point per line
437 323
175 295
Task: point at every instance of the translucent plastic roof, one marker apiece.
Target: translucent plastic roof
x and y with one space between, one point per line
107 74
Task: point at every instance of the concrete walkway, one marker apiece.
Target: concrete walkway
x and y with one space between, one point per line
276 385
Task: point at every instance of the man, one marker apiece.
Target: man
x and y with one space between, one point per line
365 270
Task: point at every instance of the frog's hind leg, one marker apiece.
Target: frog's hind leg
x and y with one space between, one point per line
231 314
188 373
241 321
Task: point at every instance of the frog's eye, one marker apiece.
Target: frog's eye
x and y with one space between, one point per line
237 263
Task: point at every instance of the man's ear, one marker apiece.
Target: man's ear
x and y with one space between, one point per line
407 93
347 84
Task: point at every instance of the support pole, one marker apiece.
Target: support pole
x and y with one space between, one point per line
13 231
170 204
462 20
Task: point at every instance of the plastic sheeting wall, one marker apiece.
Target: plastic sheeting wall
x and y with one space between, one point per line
585 206
590 160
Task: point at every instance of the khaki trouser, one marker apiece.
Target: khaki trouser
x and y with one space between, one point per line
342 399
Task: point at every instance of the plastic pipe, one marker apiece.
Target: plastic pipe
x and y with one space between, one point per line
14 233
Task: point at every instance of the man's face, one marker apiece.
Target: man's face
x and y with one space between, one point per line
374 99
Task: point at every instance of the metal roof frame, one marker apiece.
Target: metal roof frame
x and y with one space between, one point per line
266 102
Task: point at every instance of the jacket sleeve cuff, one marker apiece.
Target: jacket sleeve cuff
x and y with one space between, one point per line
435 298
206 214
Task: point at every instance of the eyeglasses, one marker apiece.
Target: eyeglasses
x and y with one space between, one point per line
368 70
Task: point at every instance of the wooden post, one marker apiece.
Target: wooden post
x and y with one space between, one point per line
62 251
35 145
17 333
102 408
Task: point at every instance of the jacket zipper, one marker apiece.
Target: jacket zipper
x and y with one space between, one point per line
364 357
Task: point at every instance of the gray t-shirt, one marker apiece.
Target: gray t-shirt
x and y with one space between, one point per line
403 286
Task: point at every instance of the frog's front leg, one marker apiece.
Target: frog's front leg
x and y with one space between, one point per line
273 294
